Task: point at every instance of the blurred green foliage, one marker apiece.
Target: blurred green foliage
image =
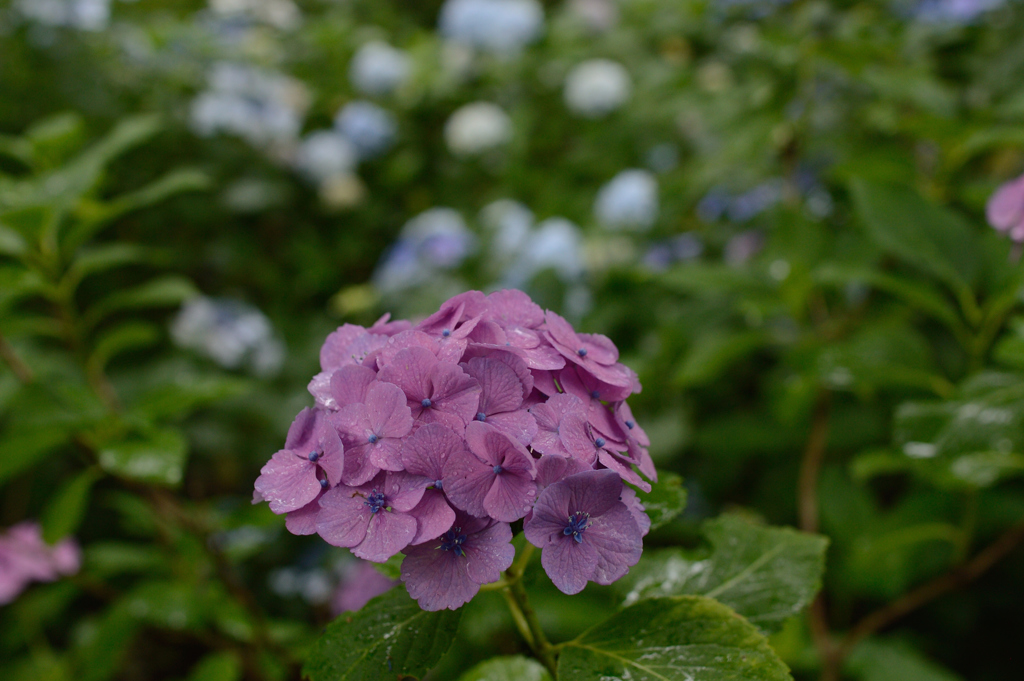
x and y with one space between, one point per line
856 371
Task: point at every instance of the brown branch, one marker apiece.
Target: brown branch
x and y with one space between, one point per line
807 510
810 465
21 370
954 579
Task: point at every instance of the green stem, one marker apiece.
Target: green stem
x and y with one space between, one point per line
525 616
523 613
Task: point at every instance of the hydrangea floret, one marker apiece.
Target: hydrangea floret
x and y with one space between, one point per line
433 440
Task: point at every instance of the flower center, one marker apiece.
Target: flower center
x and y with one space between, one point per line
439 484
630 425
373 438
375 501
446 333
600 442
425 403
314 456
452 540
595 395
582 352
498 469
480 416
578 522
324 484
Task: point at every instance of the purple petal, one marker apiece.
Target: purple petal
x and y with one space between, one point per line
455 394
513 309
302 433
386 534
624 469
288 481
433 516
437 579
616 538
501 389
410 369
334 353
427 450
569 564
320 388
350 383
303 521
549 516
552 468
403 491
489 553
405 341
344 517
467 481
510 498
388 412
636 509
359 466
518 425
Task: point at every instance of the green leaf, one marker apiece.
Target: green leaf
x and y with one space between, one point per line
713 353
217 667
669 639
391 568
11 243
128 336
64 513
766 574
704 280
169 291
158 457
919 295
107 559
174 182
665 501
99 259
26 446
514 668
390 637
932 238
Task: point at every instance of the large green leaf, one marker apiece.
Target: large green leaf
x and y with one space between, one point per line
767 574
931 238
669 639
880 660
665 501
64 513
390 637
514 668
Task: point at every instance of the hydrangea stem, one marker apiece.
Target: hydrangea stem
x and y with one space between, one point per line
524 615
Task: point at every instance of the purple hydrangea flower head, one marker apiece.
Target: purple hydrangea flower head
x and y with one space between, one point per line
451 325
349 345
373 520
372 432
348 385
495 478
593 352
520 321
312 452
562 428
26 558
584 531
501 398
385 327
360 582
425 453
448 571
436 391
1005 209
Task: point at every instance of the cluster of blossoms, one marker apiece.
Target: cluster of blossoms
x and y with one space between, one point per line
26 558
430 439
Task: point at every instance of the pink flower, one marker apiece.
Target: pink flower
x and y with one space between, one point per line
311 460
26 558
372 432
359 583
495 478
437 392
1005 209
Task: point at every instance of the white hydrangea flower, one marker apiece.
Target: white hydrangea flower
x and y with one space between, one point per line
283 14
229 332
497 26
628 201
555 244
597 87
510 224
369 128
85 15
378 68
476 128
260 106
324 154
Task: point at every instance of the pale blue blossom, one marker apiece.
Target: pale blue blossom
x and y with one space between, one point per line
597 87
378 68
325 154
435 241
370 129
85 15
629 201
230 332
476 128
498 26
